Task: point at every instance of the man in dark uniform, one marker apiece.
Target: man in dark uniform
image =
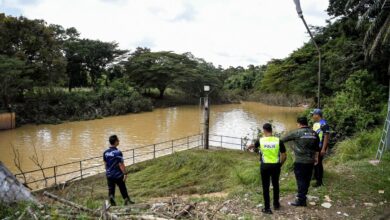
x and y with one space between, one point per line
321 127
115 171
306 151
272 156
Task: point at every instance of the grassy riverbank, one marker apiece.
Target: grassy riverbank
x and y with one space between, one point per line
353 185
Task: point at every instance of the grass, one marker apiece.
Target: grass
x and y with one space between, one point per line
349 179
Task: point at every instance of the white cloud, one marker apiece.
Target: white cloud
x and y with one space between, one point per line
226 32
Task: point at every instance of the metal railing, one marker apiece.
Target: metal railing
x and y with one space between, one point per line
57 174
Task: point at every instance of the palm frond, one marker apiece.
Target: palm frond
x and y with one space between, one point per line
386 38
376 25
373 10
380 36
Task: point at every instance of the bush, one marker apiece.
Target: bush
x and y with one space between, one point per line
55 106
360 146
357 107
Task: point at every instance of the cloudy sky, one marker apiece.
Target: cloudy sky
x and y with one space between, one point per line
225 32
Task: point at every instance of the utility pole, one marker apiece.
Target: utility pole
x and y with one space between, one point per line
300 14
206 118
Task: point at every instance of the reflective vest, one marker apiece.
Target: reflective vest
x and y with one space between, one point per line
270 149
317 128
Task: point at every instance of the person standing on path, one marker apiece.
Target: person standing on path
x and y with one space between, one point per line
305 147
115 171
321 127
272 156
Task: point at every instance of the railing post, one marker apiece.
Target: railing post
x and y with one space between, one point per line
202 141
188 142
221 140
81 170
133 157
172 146
154 151
55 175
241 143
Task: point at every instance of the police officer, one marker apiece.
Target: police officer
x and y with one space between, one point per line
115 171
272 156
305 147
321 127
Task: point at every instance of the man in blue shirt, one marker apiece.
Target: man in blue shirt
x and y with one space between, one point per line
115 171
321 127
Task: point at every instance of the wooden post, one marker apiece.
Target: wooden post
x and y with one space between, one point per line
221 140
172 146
241 144
206 122
55 175
81 170
154 151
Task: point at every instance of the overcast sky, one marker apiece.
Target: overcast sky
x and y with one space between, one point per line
225 32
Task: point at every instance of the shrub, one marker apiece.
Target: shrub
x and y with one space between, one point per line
56 105
360 146
357 107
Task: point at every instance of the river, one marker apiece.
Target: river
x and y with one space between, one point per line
73 141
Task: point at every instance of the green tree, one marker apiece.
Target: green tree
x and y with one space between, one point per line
88 59
12 79
158 69
35 43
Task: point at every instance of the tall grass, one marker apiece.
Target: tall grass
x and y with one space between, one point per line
361 146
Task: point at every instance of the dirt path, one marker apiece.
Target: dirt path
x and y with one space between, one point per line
221 207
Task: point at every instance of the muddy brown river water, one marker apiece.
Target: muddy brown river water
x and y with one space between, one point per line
72 141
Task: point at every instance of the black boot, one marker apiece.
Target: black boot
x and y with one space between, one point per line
266 211
112 201
277 206
297 203
317 184
128 201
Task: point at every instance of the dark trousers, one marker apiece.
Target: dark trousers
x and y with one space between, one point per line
319 170
270 172
303 173
111 182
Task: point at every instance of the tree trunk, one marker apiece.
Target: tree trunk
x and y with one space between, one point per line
162 91
6 103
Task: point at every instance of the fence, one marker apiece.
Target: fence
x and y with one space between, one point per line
54 175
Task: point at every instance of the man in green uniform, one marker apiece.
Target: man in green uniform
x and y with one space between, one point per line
272 156
305 147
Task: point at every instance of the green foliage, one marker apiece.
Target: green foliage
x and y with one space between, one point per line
361 146
244 79
87 59
34 43
59 105
13 211
355 108
159 69
12 80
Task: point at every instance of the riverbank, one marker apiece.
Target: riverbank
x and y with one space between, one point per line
225 184
58 105
275 99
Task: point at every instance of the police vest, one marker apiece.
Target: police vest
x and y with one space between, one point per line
317 128
270 150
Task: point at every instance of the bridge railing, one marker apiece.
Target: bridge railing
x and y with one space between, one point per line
62 173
